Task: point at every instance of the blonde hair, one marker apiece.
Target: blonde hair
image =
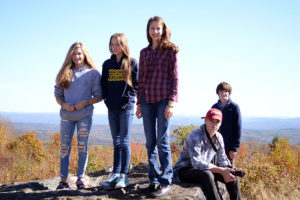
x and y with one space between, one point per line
123 42
65 73
164 42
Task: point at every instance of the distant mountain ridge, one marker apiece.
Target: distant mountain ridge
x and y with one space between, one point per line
253 123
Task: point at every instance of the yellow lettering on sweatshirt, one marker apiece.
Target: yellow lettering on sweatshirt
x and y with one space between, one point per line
116 75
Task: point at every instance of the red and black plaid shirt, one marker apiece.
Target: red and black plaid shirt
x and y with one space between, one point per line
158 75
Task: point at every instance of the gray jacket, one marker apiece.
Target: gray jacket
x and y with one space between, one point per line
84 85
197 151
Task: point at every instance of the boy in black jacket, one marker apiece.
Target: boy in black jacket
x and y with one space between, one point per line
232 121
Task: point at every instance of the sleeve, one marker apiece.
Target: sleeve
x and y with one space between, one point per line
222 159
104 81
134 77
197 158
141 74
58 92
173 73
96 86
215 106
237 129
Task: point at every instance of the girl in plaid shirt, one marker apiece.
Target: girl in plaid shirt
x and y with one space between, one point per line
157 91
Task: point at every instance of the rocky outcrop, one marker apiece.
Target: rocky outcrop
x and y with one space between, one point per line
46 189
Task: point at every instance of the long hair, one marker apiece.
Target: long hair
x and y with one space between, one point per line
122 40
65 73
164 42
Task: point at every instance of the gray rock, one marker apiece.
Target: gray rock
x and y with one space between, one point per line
46 189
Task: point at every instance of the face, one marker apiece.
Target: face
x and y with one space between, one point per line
155 31
212 126
224 95
78 57
115 47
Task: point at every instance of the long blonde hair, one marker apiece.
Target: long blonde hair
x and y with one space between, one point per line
65 73
164 42
123 42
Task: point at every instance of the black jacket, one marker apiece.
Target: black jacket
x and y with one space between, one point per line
117 94
231 125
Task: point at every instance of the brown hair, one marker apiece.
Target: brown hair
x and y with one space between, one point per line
224 86
123 42
65 73
164 42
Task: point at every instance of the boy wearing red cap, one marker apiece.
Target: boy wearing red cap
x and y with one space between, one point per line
232 121
203 160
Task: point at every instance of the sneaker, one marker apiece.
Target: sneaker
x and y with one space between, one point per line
62 185
122 181
152 187
162 191
112 179
80 184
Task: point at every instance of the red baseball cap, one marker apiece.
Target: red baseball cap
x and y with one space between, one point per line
213 114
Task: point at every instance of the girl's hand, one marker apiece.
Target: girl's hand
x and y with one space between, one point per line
227 175
168 112
81 104
138 113
68 107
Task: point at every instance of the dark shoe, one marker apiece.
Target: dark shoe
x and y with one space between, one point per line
80 184
162 191
152 187
62 185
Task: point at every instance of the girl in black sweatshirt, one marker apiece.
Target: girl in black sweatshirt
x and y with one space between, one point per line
119 85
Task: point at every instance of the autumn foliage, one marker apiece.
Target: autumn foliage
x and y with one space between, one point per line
272 171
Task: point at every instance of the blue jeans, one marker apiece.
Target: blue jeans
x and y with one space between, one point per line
120 125
67 129
154 114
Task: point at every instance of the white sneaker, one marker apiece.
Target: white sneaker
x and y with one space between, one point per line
112 179
122 181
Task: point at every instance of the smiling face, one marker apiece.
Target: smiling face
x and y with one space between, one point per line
155 31
224 96
78 57
212 126
115 47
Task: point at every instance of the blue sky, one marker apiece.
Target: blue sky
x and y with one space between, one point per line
253 45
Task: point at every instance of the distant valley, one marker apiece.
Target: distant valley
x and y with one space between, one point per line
257 129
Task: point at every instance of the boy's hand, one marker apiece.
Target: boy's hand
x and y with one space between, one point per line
232 154
227 175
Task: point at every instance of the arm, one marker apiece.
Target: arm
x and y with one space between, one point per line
173 73
225 172
140 89
237 129
104 81
96 92
59 96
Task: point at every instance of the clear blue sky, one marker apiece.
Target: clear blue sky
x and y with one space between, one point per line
253 45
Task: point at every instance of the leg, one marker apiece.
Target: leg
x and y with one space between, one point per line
114 124
163 144
126 117
83 131
233 187
205 178
149 121
66 134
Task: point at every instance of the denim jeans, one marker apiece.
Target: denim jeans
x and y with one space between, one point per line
120 125
67 129
157 135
